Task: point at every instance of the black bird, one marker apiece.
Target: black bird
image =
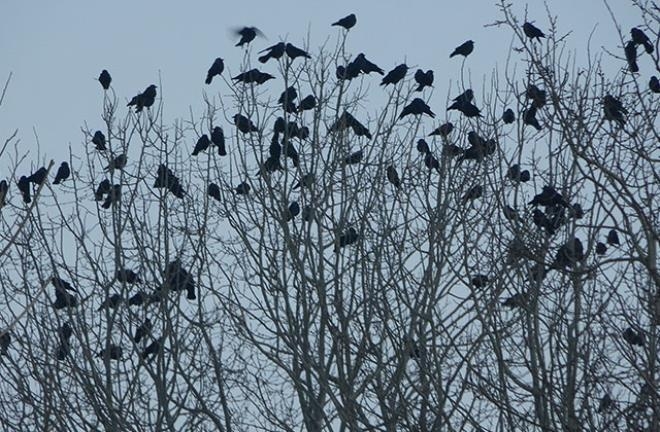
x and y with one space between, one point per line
614 110
423 146
293 52
548 197
165 178
470 110
473 193
112 352
516 300
114 196
99 140
538 96
508 117
4 188
601 249
347 22
464 49
345 121
253 76
102 189
117 163
202 144
111 302
65 332
308 103
291 152
307 213
613 238
144 99
395 75
143 330
151 350
529 118
5 340
306 180
654 84
462 99
568 254
105 79
640 38
242 189
452 150
63 173
479 281
24 187
393 177
525 176
216 69
273 52
542 222
218 139
214 191
424 79
347 238
630 50
576 211
292 211
177 278
288 95
514 173
362 64
244 124
137 299
62 298
39 176
443 130
247 35
416 107
431 162
606 403
128 276
353 158
532 31
632 337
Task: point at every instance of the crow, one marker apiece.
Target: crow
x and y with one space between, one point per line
349 237
291 152
568 254
508 117
111 302
105 79
114 195
111 352
365 66
144 99
128 276
308 103
24 187
452 150
613 238
462 99
431 162
273 52
479 281
465 49
630 50
532 32
4 188
117 163
548 197
640 38
99 140
151 350
247 35
510 213
473 193
307 213
5 340
529 118
253 76
39 176
443 130
218 139
423 146
288 95
606 403
242 189
424 79
514 173
393 177
632 337
214 191
416 107
614 110
654 84
395 75
63 173
216 69
244 124
143 330
292 211
601 249
102 189
202 144
293 52
347 22
137 299
353 158
345 121
65 332
516 300
537 96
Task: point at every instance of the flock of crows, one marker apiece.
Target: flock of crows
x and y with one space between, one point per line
550 211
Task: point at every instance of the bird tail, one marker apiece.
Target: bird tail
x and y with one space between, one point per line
209 78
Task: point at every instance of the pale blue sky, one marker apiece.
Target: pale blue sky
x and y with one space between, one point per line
57 49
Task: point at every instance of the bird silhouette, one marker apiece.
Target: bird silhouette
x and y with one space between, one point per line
273 52
127 276
510 213
218 139
601 248
5 341
613 238
537 96
353 158
473 193
213 191
480 281
532 31
142 331
144 99
247 34
654 84
216 69
24 188
292 211
568 254
39 176
349 237
632 337
516 300
395 75
307 103
99 140
293 52
111 302
111 352
253 76
423 79
443 130
630 50
416 107
515 174
63 173
348 22
306 180
137 299
202 144
307 213
548 197
529 118
640 38
102 189
105 79
614 110
345 121
152 350
464 49
288 95
118 162
606 403
244 124
114 196
4 188
508 117
452 150
431 162
365 66
423 146
393 176
242 189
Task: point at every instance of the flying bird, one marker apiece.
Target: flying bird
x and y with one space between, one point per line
463 49
416 107
253 76
247 35
532 31
63 173
105 79
216 69
423 79
348 22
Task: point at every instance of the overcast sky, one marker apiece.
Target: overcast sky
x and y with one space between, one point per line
57 49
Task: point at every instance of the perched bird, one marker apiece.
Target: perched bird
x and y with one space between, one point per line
63 300
102 189
105 79
253 76
39 176
24 187
349 237
306 180
423 79
99 140
111 302
216 69
177 278
244 124
165 178
630 50
601 249
273 52
5 341
464 49
117 163
291 152
307 213
443 130
353 158
606 403
214 191
431 162
4 188
532 31
114 196
144 99
479 281
151 350
292 211
242 189
345 121
247 35
365 66
613 238
508 117
568 254
293 52
548 197
218 139
473 193
308 103
63 173
516 300
393 177
137 299
537 96
614 110
111 352
452 150
461 99
202 144
640 38
423 146
127 276
290 94
654 84
416 107
632 337
529 118
347 22
143 330
395 75
514 173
